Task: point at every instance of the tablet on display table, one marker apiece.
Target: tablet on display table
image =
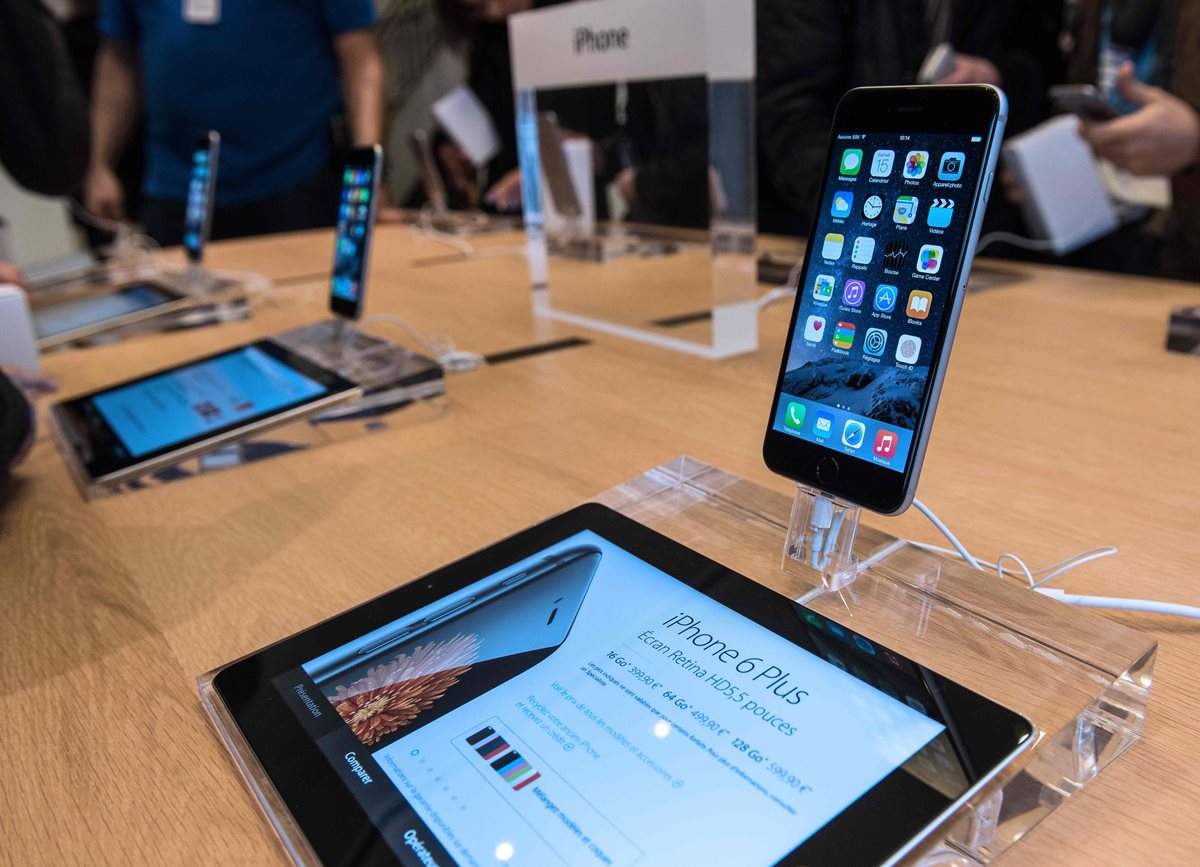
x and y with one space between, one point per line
75 318
126 430
591 693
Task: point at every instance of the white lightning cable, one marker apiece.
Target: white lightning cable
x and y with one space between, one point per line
441 348
784 292
1035 244
426 227
1038 578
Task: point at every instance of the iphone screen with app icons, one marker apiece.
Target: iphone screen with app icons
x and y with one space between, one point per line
891 230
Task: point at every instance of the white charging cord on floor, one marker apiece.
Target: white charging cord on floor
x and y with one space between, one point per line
1038 578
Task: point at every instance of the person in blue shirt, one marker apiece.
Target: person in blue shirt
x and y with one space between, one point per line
271 76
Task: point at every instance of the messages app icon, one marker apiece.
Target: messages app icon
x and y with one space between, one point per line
843 201
832 248
851 162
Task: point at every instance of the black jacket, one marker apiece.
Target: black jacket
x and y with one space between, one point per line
44 132
810 52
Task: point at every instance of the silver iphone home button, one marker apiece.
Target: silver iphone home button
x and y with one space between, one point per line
827 470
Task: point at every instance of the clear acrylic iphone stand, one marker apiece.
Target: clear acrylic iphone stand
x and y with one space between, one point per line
1083 680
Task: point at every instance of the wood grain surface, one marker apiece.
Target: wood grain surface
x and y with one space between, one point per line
1063 425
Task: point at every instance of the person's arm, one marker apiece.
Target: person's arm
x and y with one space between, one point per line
362 84
115 104
801 76
43 132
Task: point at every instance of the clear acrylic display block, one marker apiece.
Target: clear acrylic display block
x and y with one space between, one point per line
1082 679
638 170
399 388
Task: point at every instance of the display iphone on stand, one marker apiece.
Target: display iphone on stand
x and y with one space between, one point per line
201 195
356 221
906 184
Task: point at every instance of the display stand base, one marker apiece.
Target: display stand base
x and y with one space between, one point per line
607 247
1083 680
392 378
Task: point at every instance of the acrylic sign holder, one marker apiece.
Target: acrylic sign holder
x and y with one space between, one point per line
714 313
1083 680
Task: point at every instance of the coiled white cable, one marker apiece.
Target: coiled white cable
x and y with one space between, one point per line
1037 578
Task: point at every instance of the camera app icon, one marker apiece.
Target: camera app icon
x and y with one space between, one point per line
951 166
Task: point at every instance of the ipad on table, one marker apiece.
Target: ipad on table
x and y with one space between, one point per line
126 430
589 692
71 319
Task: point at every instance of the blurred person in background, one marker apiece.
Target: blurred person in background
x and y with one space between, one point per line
44 146
273 77
810 52
1120 47
481 26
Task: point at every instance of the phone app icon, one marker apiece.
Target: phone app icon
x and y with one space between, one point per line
823 287
908 349
951 166
853 292
919 303
885 443
872 207
843 335
864 250
915 164
885 297
854 434
814 328
894 254
832 248
851 162
906 210
929 261
843 201
941 213
875 341
794 417
823 426
881 163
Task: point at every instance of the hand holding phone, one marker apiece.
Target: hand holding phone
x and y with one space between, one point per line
1083 100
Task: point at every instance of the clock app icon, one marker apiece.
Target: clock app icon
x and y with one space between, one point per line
872 207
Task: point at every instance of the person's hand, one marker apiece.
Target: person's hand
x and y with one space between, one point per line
102 193
457 168
1161 138
505 194
626 184
10 273
969 69
32 383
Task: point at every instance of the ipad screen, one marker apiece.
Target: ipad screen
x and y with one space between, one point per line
569 708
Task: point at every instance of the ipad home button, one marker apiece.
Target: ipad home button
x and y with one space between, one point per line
827 470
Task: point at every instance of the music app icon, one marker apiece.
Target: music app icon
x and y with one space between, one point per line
885 443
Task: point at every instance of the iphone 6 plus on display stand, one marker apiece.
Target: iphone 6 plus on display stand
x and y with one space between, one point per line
907 180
